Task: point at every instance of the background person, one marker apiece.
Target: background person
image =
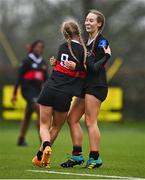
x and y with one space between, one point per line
32 74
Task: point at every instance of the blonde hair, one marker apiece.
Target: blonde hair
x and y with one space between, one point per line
100 18
71 29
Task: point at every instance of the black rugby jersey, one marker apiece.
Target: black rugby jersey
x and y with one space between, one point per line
64 79
32 73
96 61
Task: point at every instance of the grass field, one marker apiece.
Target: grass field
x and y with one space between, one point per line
122 150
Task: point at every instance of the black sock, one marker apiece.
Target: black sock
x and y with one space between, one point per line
77 150
21 138
46 143
94 154
39 155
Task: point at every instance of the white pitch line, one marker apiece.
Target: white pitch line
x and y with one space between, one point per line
89 175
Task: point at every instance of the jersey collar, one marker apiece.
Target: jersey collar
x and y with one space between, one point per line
91 40
75 41
34 58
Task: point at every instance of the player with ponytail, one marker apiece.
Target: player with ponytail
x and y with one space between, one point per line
94 93
66 81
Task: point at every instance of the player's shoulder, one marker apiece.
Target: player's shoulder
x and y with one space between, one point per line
102 37
73 44
76 45
63 45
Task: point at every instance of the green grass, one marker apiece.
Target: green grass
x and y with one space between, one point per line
122 150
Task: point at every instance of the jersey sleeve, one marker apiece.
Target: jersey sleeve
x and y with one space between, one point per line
98 59
95 67
22 69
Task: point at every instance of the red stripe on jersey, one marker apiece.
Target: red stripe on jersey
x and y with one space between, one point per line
34 75
73 73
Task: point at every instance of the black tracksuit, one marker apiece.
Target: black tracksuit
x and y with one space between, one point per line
32 74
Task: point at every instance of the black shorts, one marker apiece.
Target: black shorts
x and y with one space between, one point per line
98 91
30 94
60 101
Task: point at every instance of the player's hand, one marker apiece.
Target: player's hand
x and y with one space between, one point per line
70 65
52 61
107 50
14 99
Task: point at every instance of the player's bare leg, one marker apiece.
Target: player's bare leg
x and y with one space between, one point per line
91 115
59 119
24 125
74 116
45 123
36 108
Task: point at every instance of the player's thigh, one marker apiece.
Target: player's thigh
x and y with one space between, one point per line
59 118
46 113
77 110
92 106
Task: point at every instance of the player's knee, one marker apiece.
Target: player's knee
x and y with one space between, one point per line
89 121
69 119
72 120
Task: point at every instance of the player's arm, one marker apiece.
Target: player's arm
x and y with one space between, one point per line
21 71
74 66
95 67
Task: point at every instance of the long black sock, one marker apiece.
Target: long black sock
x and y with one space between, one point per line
39 155
46 143
94 154
77 150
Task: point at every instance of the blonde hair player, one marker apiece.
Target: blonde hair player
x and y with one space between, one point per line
94 93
